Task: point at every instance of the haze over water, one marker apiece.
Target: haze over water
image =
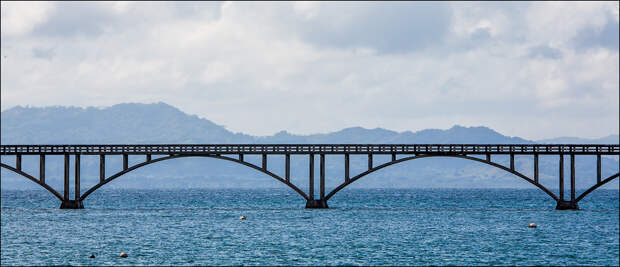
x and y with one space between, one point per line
362 227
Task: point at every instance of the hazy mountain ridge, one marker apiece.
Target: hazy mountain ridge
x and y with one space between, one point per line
122 123
610 139
162 123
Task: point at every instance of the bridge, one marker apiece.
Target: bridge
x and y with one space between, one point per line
235 153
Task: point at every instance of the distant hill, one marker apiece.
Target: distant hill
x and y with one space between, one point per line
611 139
122 123
161 123
359 135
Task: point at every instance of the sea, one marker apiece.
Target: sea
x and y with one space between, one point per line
361 227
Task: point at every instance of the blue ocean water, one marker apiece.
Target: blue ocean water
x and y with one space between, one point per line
362 227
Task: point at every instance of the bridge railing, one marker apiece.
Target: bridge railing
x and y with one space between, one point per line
310 149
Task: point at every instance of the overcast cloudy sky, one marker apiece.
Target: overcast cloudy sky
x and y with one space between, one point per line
535 70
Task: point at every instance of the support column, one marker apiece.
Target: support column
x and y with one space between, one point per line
536 168
101 168
42 169
264 161
561 177
240 157
393 157
66 192
598 169
322 202
322 177
148 157
311 178
287 171
346 168
567 204
125 162
572 177
77 177
18 162
512 162
75 203
369 161
488 157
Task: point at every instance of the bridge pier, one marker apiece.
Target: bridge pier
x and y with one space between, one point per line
566 205
71 204
316 204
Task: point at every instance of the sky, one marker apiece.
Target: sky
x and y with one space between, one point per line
534 69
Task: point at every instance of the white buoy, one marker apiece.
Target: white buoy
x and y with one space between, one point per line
532 225
242 218
123 255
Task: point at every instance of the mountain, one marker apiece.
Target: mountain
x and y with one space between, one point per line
134 123
122 123
161 123
610 139
359 135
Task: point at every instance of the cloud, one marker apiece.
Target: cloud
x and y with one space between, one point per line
592 37
95 18
43 53
480 34
391 27
545 51
19 18
316 66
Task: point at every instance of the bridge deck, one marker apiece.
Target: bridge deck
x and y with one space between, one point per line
282 149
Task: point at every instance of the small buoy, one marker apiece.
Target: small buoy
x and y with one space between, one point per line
242 218
123 255
92 256
532 225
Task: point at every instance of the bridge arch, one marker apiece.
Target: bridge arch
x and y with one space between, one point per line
363 174
603 182
31 178
134 167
